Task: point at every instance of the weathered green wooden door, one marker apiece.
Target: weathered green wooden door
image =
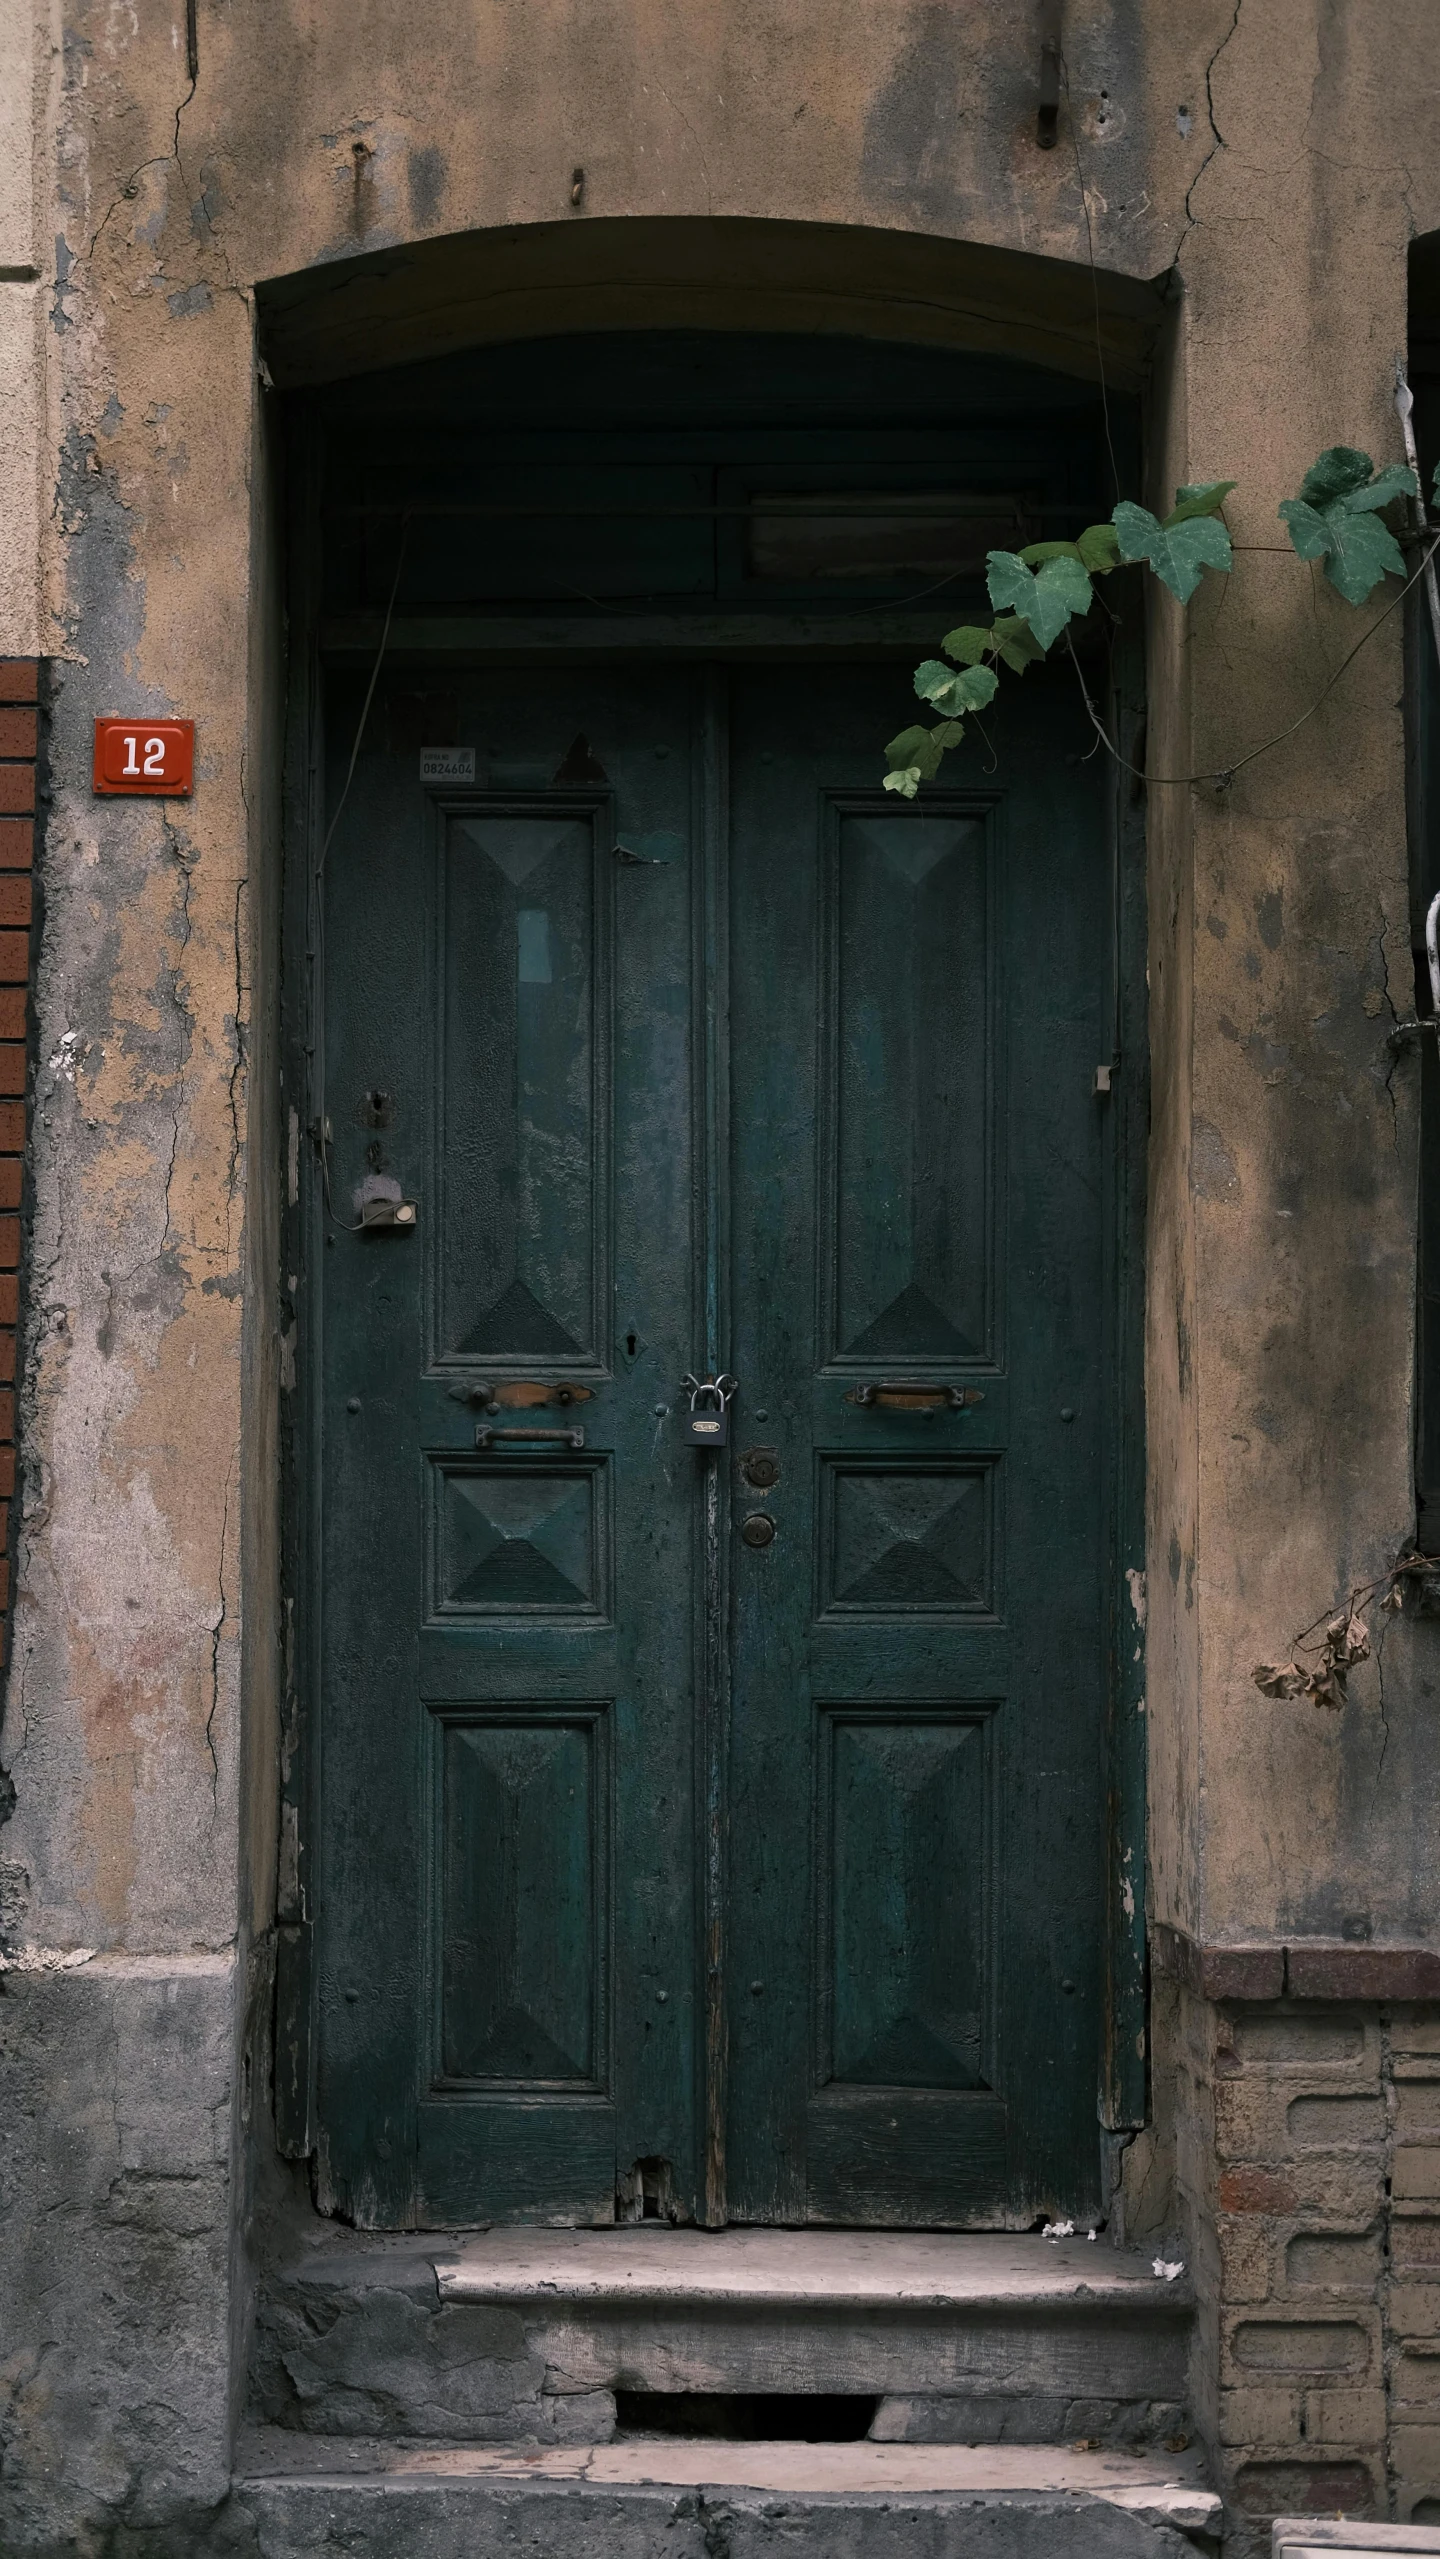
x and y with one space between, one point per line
718 1835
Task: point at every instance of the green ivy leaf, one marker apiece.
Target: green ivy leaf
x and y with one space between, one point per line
969 644
1035 554
1046 600
970 690
1015 643
1356 547
932 678
915 747
1335 519
1010 640
1334 473
1202 497
1395 481
1179 554
1099 548
915 756
976 687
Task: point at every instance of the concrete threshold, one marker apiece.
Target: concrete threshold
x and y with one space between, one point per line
800 2269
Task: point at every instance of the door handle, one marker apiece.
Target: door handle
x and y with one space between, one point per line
486 1435
904 1394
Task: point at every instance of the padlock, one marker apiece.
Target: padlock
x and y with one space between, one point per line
707 1424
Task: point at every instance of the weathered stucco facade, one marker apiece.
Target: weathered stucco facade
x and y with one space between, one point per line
199 213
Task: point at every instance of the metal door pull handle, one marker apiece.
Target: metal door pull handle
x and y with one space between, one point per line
910 1391
486 1435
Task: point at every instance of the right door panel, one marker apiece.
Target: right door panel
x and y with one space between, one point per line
919 996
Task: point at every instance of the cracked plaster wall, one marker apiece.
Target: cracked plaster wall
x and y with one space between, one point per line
1277 158
1282 1289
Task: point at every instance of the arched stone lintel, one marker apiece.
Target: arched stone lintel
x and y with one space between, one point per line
433 297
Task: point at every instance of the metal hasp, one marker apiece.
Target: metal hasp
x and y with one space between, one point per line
1047 122
901 1394
486 1435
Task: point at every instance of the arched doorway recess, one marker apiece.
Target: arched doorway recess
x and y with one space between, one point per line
705 1834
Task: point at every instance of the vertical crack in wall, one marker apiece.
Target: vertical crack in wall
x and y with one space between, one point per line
1392 1052
186 1018
237 1065
157 159
1219 142
192 66
216 1632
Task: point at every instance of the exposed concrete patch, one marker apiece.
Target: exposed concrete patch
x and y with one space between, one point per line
115 2374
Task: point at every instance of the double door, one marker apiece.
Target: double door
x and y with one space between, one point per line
712 1834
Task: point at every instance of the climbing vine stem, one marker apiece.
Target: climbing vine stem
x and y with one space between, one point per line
1223 775
1040 592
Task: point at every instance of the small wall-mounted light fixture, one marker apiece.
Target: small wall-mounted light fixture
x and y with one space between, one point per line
577 187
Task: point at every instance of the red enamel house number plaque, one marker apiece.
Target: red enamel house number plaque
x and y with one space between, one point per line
152 758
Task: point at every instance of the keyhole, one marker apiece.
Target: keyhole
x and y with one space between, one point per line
630 1344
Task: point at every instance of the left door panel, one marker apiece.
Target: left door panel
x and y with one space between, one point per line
506 1608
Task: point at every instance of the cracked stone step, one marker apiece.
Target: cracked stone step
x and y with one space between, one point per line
690 2498
526 2336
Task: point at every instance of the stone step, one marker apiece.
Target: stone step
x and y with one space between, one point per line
528 2336
692 2500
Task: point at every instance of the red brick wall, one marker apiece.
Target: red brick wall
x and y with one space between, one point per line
19 754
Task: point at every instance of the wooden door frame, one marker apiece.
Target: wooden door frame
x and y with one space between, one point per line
1123 2061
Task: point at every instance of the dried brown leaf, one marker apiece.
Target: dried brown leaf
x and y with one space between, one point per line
1279 1679
1357 1639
